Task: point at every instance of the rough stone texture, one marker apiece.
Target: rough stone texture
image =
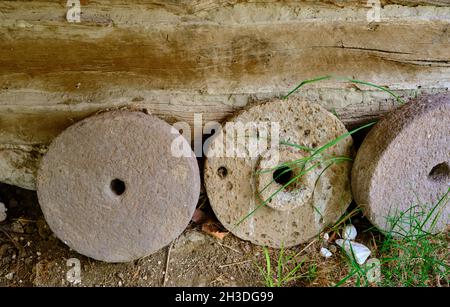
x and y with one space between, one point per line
395 166
161 191
301 211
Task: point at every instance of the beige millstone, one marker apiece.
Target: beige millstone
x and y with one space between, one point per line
238 186
405 162
111 189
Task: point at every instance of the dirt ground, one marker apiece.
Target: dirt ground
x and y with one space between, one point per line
30 255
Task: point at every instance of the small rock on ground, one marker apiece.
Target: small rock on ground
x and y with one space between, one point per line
349 232
358 250
325 252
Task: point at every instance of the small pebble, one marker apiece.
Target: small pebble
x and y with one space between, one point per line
360 251
326 236
349 232
373 274
325 252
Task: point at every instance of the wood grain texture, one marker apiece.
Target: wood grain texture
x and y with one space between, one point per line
177 58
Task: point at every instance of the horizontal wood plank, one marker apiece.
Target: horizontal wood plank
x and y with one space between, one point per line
178 58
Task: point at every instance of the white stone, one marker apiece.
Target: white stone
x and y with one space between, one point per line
349 232
326 236
358 250
2 212
325 252
9 276
374 270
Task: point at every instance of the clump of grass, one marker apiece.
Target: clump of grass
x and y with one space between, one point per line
286 271
409 253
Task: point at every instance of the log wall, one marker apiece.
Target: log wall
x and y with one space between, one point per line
178 57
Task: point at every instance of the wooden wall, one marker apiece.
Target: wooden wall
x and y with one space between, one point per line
178 57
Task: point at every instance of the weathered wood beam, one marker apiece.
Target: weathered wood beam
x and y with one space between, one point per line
177 58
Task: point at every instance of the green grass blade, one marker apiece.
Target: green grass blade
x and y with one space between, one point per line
382 88
306 82
385 89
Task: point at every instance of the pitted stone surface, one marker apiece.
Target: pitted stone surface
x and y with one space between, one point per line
110 188
404 162
235 185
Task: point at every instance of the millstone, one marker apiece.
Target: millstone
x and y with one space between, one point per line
110 188
240 187
403 165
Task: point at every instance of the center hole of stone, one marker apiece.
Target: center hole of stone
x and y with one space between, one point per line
282 175
117 186
440 172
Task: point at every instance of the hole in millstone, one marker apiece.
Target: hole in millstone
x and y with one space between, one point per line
440 172
222 172
117 186
206 136
282 175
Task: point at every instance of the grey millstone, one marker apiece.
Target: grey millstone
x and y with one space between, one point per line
80 205
235 185
404 162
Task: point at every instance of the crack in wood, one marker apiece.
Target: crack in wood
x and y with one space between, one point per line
364 49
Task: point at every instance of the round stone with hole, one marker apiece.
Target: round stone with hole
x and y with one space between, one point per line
271 179
113 188
401 173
